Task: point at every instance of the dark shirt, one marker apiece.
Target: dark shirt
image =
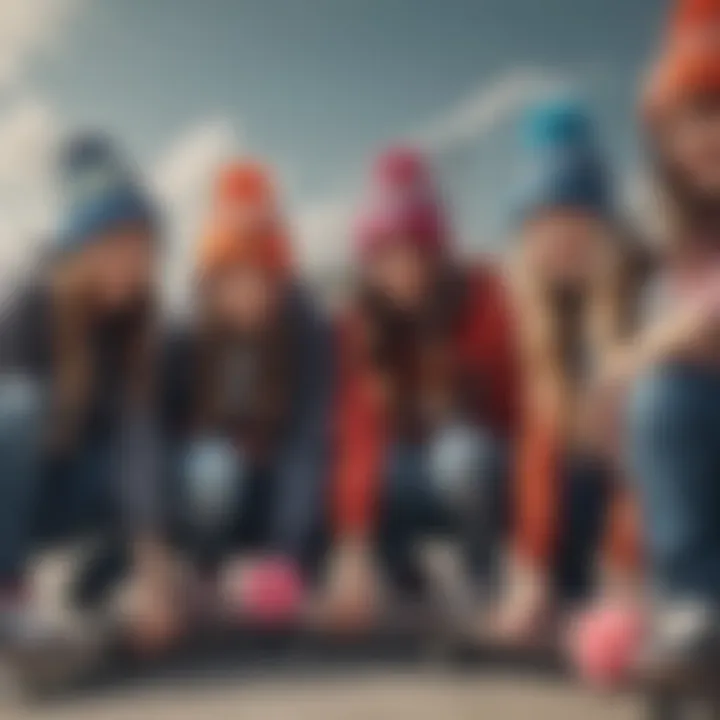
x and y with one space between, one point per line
300 452
27 349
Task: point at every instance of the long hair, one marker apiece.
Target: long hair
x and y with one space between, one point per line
687 215
75 366
258 415
410 357
566 332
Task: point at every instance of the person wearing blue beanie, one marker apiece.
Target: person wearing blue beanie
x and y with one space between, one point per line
564 274
99 192
78 440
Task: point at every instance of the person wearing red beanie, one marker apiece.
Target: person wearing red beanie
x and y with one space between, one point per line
426 395
247 404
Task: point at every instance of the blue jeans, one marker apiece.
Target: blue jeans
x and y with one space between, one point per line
675 456
585 499
221 502
418 504
43 500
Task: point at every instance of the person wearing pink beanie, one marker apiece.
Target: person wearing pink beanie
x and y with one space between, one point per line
402 201
425 398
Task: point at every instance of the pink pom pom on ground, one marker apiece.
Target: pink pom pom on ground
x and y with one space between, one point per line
605 642
271 592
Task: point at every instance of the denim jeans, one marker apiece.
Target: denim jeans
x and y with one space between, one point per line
675 459
420 502
585 500
44 500
221 502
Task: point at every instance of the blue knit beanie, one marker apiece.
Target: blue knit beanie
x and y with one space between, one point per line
99 192
561 163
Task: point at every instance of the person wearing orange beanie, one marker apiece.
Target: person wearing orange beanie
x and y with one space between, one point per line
687 66
245 227
248 396
670 368
680 107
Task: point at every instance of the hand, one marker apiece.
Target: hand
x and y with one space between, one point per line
525 612
152 615
352 593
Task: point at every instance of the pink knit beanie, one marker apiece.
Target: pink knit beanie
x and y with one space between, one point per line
401 204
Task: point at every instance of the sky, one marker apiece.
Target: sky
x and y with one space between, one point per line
312 86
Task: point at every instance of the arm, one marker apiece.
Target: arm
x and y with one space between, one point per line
616 309
140 476
358 449
622 548
140 469
537 472
352 585
544 406
685 331
677 328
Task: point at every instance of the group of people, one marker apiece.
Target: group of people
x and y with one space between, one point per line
556 411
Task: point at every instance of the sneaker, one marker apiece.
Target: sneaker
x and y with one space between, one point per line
685 642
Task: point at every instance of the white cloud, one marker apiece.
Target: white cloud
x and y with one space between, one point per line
29 128
28 133
181 177
322 234
484 109
28 136
185 167
28 29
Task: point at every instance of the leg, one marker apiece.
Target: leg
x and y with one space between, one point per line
675 449
585 501
79 498
675 454
468 472
251 530
37 503
406 506
210 490
21 419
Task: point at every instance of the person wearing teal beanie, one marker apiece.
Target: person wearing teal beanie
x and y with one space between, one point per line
562 273
561 164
